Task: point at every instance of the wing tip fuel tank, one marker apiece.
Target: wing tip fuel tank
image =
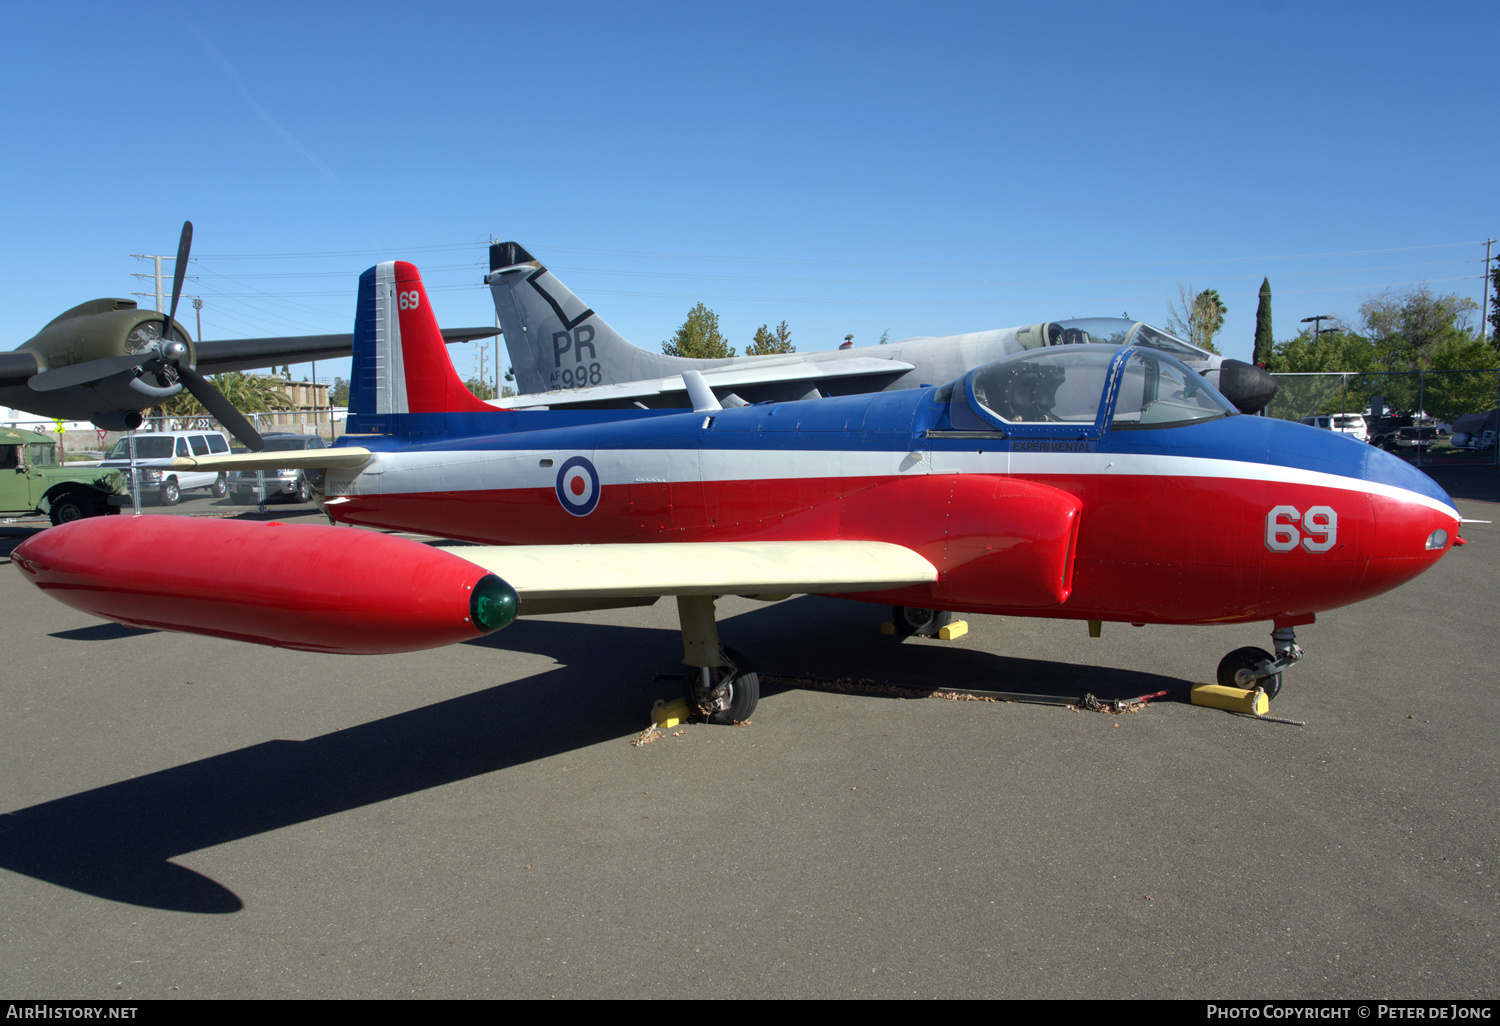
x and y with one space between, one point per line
301 586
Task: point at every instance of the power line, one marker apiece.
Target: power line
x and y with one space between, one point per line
645 254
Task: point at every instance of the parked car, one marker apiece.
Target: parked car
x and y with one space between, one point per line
32 481
1418 438
245 485
154 452
1351 424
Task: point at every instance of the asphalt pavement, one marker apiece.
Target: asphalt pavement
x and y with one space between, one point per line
190 817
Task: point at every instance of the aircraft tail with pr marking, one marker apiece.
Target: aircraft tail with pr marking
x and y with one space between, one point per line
555 341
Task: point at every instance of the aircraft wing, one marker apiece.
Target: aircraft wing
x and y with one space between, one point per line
699 568
723 377
217 357
368 592
287 459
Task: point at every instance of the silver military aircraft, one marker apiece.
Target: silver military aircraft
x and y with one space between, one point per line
564 354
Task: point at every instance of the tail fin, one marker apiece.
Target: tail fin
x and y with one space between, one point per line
401 363
554 340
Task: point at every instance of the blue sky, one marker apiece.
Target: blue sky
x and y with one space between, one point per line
850 168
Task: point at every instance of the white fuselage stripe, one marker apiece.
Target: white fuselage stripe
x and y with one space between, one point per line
476 470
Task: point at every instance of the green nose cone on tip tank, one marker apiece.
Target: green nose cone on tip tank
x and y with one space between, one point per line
492 604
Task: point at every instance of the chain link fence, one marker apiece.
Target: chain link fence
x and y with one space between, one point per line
1417 414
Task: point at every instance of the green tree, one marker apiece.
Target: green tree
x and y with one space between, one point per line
249 393
1451 395
340 394
1405 333
1495 307
1329 392
1407 326
699 337
481 389
768 342
1264 341
1199 318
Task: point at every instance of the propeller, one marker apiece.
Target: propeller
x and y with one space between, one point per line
165 351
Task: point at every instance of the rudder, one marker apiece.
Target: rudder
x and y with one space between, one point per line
401 363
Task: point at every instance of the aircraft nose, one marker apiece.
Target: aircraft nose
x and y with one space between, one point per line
1385 468
1415 519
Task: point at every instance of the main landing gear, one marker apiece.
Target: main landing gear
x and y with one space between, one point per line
718 684
1251 668
923 623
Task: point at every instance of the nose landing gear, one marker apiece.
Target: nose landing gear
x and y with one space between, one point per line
1249 668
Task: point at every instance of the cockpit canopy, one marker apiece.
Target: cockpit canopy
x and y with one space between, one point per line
1091 385
1113 331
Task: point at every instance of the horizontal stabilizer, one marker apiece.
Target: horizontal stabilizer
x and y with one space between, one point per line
343 456
725 377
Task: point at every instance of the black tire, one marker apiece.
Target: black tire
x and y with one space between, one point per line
744 690
170 492
68 508
915 621
304 490
1248 659
221 486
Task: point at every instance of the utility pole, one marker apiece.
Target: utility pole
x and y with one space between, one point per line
157 275
494 240
198 309
158 258
1484 308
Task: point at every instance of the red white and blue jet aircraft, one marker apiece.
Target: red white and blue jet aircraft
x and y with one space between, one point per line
1084 482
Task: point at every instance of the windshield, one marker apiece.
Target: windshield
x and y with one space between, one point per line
1157 391
1062 385
147 447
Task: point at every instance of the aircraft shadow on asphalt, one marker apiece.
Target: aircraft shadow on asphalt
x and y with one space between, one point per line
106 631
117 841
835 639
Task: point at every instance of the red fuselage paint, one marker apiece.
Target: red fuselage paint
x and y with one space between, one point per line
1155 549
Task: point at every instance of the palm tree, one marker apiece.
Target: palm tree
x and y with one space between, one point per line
248 393
1199 318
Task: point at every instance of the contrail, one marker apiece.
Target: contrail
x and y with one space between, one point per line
228 69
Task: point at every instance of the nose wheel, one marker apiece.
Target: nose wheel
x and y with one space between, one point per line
1251 668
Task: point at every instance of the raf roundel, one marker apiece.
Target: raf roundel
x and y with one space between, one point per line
578 486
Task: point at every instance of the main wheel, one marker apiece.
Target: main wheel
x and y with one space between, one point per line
924 623
169 492
221 486
1248 659
730 702
69 508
